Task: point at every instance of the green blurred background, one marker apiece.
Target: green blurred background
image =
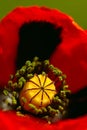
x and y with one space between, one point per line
75 8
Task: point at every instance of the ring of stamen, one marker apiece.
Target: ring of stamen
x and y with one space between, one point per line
39 88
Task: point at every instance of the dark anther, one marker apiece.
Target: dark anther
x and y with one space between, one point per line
37 39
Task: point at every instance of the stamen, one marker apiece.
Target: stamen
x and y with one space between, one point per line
37 92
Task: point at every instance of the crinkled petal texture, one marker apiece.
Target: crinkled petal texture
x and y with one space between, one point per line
70 56
9 121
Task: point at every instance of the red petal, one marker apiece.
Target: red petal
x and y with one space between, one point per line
10 121
9 28
70 57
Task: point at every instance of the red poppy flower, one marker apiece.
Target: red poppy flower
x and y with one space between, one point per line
47 33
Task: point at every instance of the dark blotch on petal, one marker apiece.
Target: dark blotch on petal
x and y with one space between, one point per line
37 39
78 104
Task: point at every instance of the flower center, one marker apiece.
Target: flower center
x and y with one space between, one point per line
39 91
34 92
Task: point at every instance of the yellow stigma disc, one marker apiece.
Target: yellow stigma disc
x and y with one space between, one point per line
38 91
